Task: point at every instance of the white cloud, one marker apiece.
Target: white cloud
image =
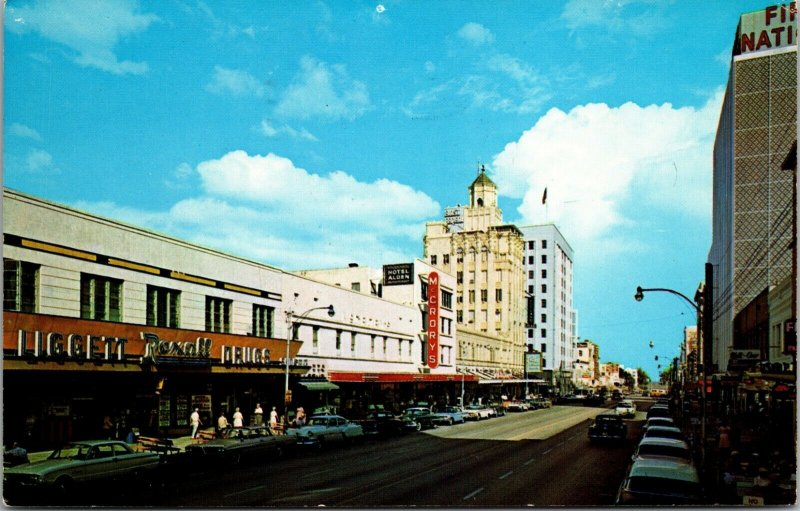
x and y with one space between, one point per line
268 130
592 158
90 29
266 208
476 34
39 161
20 130
235 82
616 16
320 90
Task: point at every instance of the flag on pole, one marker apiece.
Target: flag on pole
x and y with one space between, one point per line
544 196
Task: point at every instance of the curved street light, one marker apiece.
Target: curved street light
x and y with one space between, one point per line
291 319
639 296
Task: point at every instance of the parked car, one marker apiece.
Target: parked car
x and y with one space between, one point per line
653 482
88 461
608 426
658 421
324 429
626 408
449 415
381 423
499 409
663 432
422 416
234 444
477 412
660 448
542 402
658 411
518 406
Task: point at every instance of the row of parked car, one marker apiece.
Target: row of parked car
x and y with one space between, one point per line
661 470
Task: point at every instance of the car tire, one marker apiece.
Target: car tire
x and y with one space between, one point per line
450 421
419 426
64 488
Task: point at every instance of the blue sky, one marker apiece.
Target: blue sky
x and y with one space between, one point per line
292 132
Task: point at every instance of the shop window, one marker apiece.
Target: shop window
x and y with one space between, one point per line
20 282
101 298
263 320
218 314
447 299
163 307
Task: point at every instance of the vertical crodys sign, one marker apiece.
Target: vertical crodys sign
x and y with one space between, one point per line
433 320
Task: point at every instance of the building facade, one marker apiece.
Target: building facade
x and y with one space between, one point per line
587 364
485 255
550 327
753 200
106 319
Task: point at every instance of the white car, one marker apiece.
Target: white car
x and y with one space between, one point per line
324 429
477 412
626 408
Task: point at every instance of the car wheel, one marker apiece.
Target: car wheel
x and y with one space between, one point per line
450 421
419 426
64 487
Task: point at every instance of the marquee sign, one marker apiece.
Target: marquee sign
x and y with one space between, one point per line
398 274
433 320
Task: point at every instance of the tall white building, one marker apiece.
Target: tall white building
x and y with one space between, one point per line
550 327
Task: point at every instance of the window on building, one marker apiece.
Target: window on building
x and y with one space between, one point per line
353 343
372 345
544 243
20 284
531 245
498 295
218 314
163 307
544 362
530 289
460 299
447 299
101 298
530 259
544 318
385 346
484 254
544 348
355 286
338 342
544 288
471 296
460 315
445 259
544 332
315 340
484 295
471 316
433 259
459 277
424 291
544 258
530 333
460 255
530 274
544 274
544 302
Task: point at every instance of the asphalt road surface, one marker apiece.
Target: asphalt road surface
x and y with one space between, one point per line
540 458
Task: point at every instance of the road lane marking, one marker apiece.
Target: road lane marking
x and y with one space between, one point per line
529 461
506 474
252 488
473 494
548 450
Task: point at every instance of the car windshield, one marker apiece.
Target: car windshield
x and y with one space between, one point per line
71 451
672 451
663 433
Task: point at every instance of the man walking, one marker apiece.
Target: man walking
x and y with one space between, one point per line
195 422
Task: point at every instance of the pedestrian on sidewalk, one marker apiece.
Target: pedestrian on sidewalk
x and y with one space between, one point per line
238 419
273 418
258 415
222 423
195 422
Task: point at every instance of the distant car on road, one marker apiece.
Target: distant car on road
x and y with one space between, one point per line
239 443
89 461
324 429
660 482
626 408
518 406
608 426
448 415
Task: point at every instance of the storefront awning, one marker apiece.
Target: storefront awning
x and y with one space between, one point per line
319 385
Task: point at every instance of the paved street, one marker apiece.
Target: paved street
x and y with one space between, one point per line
538 458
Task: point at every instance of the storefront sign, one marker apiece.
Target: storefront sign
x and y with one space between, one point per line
789 336
743 359
202 402
155 347
533 363
398 274
773 27
433 320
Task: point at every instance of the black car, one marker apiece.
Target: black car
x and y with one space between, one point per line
606 427
382 424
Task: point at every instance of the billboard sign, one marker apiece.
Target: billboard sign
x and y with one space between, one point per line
454 218
533 362
433 320
398 274
773 27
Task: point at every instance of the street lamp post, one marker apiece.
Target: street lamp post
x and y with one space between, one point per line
639 296
291 319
